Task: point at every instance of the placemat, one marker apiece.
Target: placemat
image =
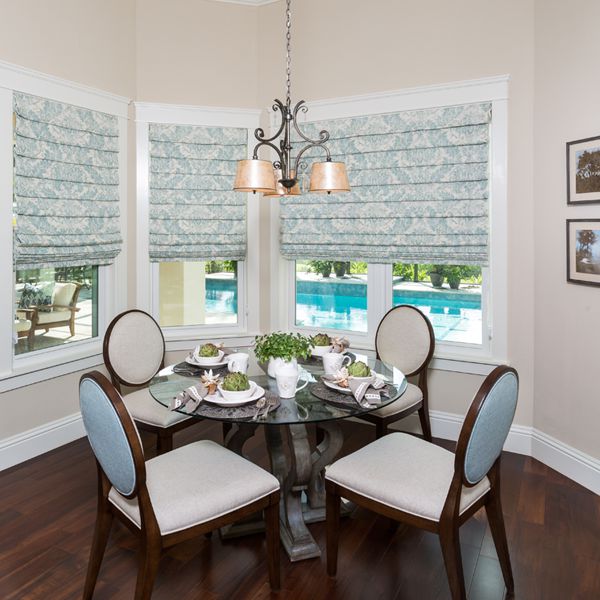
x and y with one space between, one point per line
319 359
321 391
184 368
247 411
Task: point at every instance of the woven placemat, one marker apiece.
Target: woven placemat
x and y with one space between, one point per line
311 360
246 411
184 368
321 391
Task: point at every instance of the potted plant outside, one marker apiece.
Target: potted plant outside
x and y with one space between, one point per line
436 274
321 266
339 269
278 349
453 276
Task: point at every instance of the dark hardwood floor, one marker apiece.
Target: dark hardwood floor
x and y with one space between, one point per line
47 512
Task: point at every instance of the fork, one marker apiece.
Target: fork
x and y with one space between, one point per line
259 406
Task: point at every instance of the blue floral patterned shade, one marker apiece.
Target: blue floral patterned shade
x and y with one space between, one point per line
419 190
66 185
194 214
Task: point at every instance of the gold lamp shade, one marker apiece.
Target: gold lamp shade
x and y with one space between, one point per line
254 175
329 177
280 189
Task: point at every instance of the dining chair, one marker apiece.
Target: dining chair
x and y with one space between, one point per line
405 340
408 479
170 498
134 352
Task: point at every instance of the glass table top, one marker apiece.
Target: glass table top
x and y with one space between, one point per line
303 408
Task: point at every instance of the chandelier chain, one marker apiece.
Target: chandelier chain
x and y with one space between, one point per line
288 36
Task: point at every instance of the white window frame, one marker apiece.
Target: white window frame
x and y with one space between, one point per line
448 355
38 365
147 272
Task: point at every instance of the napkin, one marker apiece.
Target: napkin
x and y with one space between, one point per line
189 400
365 391
339 344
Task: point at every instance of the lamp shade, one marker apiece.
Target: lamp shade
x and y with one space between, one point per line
254 175
280 189
329 177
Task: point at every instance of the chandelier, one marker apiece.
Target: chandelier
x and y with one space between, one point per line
280 177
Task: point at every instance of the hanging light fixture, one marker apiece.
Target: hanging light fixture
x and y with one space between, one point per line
280 178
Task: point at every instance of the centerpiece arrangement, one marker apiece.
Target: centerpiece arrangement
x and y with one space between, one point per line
236 387
208 354
321 343
278 349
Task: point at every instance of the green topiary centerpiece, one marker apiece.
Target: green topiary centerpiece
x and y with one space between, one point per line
208 351
359 369
286 346
235 382
321 339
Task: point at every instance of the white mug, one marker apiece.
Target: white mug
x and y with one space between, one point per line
334 361
238 362
287 381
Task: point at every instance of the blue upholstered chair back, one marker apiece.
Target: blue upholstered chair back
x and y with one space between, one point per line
491 427
107 436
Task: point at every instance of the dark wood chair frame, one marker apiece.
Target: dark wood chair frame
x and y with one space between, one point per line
151 540
164 434
451 519
32 314
382 423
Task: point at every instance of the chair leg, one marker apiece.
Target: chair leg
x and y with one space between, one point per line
380 429
104 521
450 542
493 509
425 424
164 443
149 559
272 534
333 530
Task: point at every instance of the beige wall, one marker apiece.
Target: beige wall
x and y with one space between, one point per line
567 316
352 48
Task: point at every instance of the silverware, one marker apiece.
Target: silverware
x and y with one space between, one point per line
260 403
271 403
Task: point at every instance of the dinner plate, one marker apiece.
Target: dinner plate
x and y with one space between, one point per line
220 401
192 361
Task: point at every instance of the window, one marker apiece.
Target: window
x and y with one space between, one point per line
198 293
450 295
331 295
55 306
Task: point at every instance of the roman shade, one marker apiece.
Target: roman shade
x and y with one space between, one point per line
66 161
194 213
419 190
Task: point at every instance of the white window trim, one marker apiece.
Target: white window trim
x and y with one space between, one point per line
112 295
448 356
146 272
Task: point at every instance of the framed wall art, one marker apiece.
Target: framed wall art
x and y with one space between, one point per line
583 251
583 171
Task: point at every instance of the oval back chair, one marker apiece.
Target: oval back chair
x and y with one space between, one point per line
171 498
405 339
427 487
134 352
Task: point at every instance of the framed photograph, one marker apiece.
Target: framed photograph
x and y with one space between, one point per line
583 171
583 251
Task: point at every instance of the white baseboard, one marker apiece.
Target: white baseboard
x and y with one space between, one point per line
32 443
572 463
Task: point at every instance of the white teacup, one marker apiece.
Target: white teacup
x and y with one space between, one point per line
334 361
237 362
287 381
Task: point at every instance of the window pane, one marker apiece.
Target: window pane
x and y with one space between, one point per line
331 295
54 307
450 295
198 293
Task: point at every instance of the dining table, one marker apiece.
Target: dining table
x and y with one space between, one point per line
300 470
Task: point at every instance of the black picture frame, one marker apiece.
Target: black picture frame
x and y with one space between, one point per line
575 197
586 270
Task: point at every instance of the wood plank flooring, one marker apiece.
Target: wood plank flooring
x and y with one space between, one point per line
47 512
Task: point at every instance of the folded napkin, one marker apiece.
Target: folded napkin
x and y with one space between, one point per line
190 398
366 391
339 344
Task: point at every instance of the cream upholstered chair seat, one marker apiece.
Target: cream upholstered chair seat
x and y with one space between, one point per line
22 325
52 316
413 395
197 483
145 409
405 473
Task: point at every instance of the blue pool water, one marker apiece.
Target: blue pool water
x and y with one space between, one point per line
221 297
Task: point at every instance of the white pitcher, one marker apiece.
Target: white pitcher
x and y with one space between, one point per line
287 376
276 363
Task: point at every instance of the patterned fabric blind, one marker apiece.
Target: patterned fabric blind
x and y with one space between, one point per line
194 214
419 190
66 162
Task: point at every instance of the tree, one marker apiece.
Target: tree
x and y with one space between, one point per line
586 238
587 178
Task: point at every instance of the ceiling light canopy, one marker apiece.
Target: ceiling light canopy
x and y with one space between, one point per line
280 177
